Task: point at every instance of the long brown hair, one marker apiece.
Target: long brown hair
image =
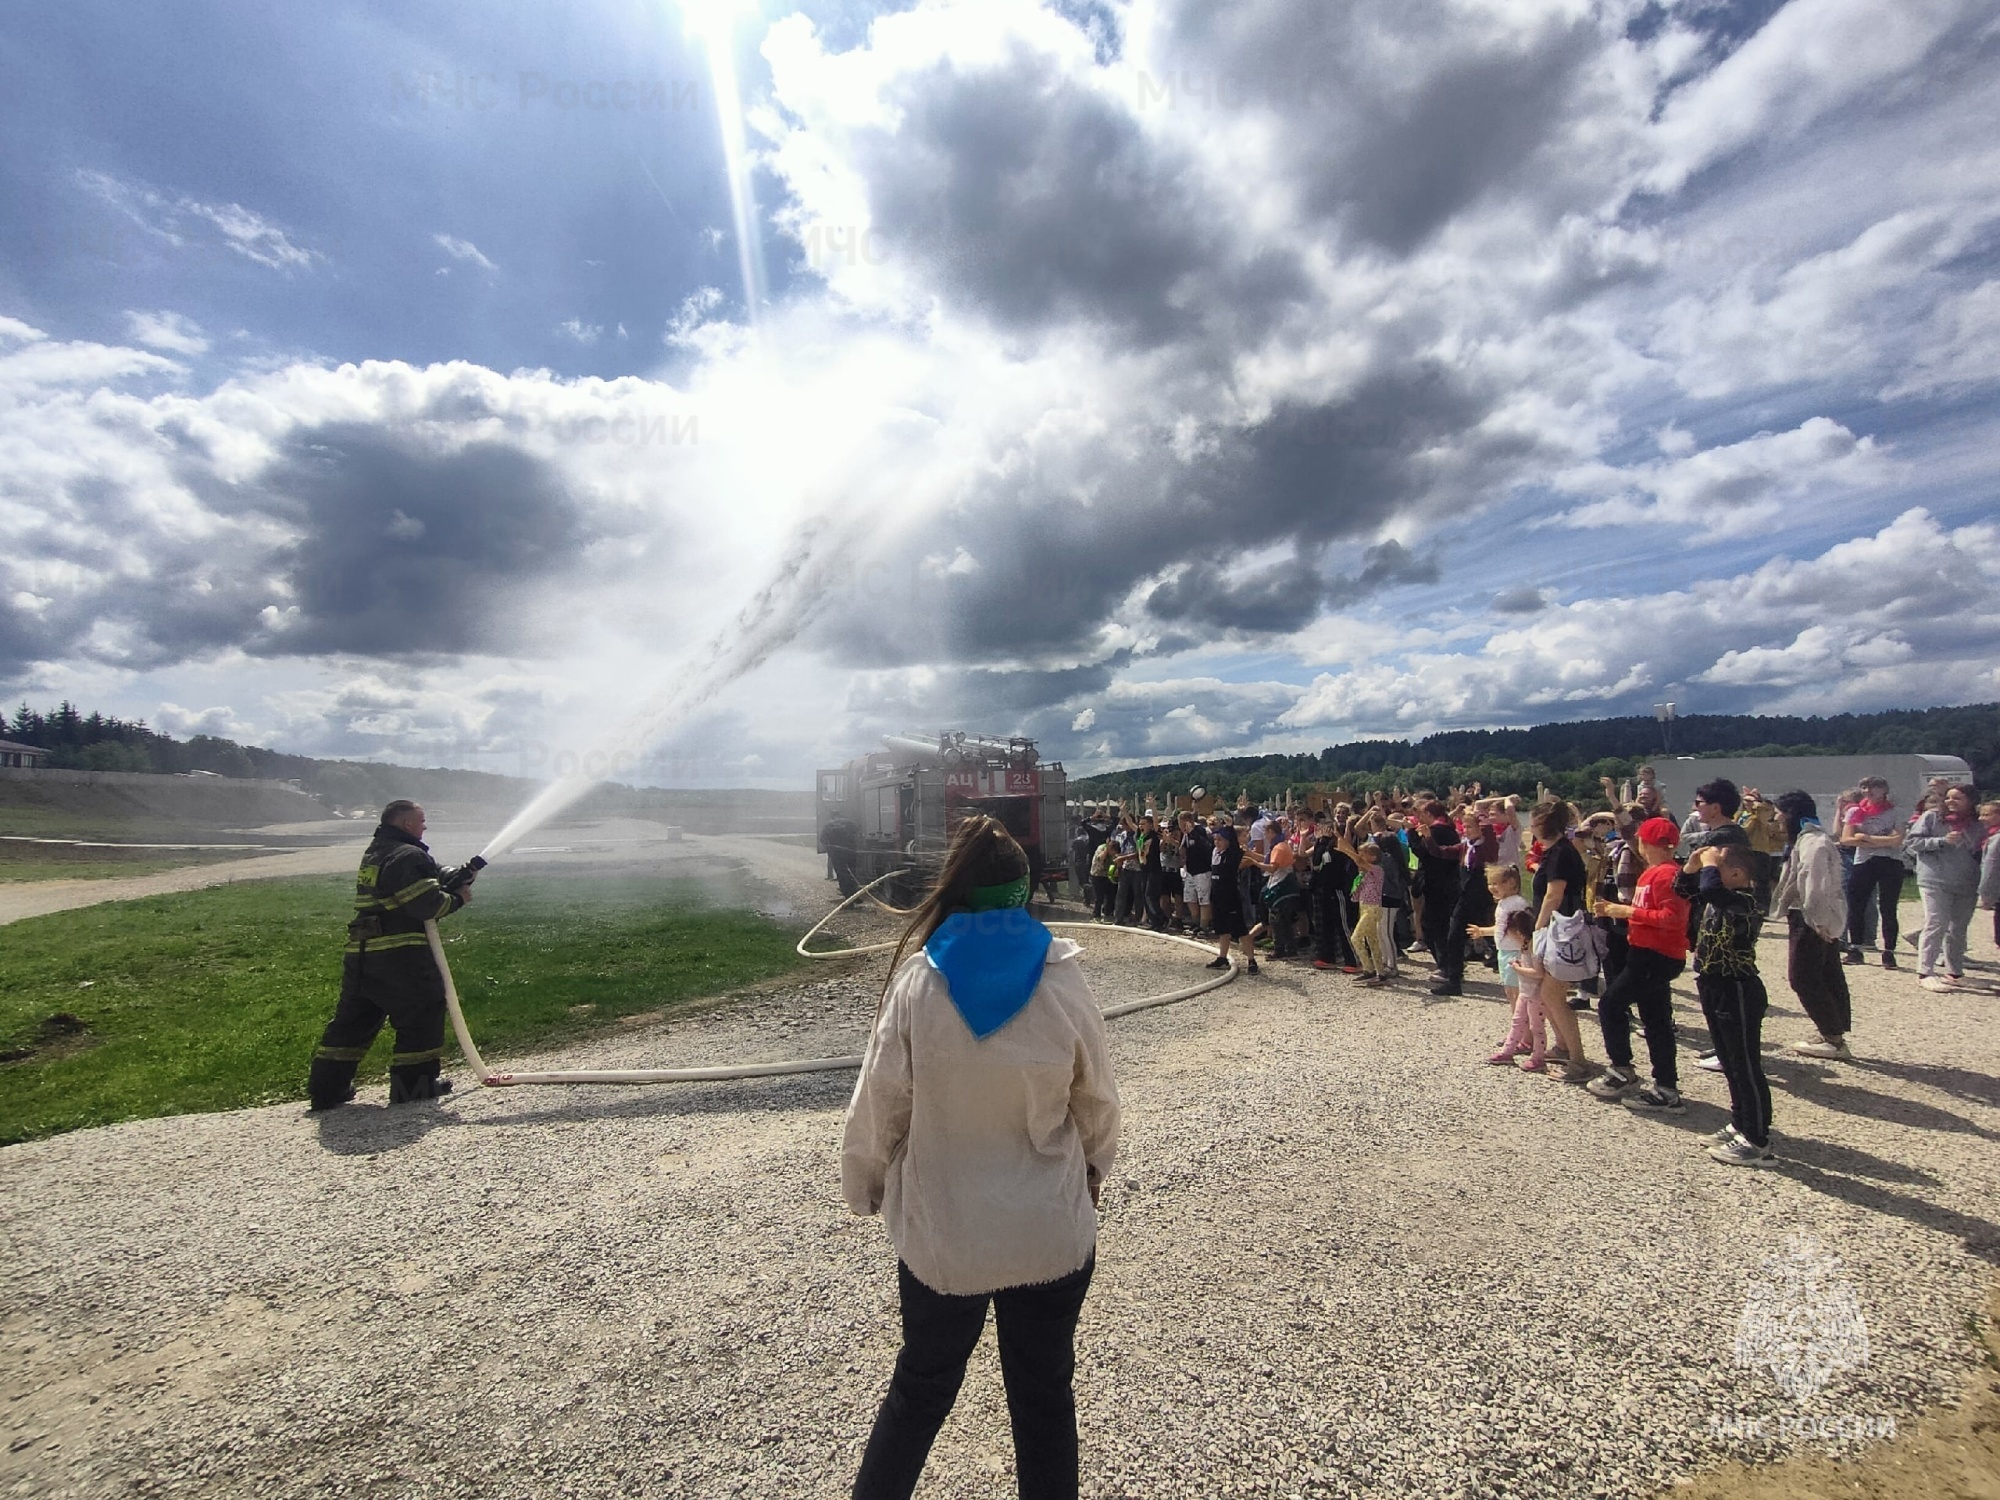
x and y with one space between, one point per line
982 852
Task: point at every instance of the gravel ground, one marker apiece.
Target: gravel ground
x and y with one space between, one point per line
1339 1256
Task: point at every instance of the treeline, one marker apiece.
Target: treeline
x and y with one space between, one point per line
1569 758
101 742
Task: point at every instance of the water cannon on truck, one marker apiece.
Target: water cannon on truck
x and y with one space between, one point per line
898 807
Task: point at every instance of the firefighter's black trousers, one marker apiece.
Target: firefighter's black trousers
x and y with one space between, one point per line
378 987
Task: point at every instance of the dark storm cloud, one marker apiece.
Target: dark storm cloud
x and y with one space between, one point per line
408 550
1284 596
1040 202
1052 570
1392 147
1520 600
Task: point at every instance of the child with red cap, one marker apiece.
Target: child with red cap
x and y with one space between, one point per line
1656 924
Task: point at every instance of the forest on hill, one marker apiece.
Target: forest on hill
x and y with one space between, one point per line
1567 758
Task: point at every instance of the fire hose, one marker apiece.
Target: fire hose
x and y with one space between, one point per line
494 1079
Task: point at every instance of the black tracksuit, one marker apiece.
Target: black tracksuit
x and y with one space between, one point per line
1732 994
388 973
1333 877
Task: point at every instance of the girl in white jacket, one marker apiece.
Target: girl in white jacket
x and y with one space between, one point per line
981 1128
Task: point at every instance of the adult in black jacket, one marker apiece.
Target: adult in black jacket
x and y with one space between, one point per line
388 973
1439 854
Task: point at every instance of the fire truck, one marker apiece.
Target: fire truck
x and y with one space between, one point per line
898 806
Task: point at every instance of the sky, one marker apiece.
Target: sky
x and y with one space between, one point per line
694 393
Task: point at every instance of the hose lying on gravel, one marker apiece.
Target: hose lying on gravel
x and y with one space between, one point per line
493 1079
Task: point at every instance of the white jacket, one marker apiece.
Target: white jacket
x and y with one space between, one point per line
980 1154
1811 884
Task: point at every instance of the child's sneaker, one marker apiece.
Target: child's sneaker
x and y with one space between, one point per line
1612 1083
1656 1097
1740 1153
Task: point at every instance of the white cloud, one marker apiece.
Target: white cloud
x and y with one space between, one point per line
244 231
1737 489
220 721
1810 58
1912 594
463 250
166 330
582 332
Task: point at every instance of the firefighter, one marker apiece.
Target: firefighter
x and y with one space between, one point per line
388 973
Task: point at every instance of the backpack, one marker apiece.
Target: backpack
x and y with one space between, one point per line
1571 947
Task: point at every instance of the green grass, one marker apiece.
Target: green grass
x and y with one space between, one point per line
214 999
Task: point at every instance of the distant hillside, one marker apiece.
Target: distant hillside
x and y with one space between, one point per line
99 742
1568 758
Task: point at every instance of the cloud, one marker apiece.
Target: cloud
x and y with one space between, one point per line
166 330
1755 641
1519 600
1736 489
169 219
221 721
1133 368
463 251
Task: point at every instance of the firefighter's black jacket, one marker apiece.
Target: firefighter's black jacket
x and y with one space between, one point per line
398 888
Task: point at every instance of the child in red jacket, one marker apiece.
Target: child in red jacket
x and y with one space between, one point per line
1656 926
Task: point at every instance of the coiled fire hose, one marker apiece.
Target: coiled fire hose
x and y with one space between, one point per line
493 1079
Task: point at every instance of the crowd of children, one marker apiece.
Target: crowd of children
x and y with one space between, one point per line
1565 907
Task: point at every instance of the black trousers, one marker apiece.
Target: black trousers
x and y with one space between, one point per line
1440 902
1872 876
1037 1336
1104 893
1734 1006
1813 969
377 988
1473 908
1645 983
1332 944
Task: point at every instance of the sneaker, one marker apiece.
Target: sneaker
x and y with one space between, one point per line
1373 981
1738 1152
1888 959
1445 987
1834 1047
1612 1082
1720 1137
1853 956
1251 967
1577 1072
1937 984
1709 1061
1217 963
1657 1097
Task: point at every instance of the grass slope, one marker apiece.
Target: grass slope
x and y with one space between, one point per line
214 999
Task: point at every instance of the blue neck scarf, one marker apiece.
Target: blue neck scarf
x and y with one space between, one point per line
991 961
